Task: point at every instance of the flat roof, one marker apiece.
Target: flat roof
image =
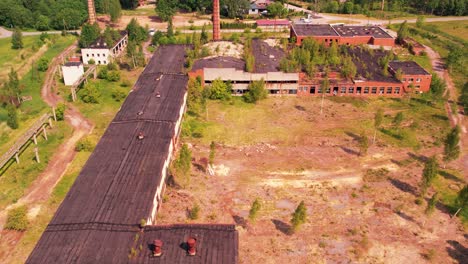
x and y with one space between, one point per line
272 22
219 62
408 67
367 64
72 64
358 31
101 243
267 58
339 30
314 30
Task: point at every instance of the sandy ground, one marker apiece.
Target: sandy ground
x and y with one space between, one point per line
225 48
154 21
352 217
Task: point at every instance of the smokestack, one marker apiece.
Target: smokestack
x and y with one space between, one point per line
157 250
216 25
91 12
191 243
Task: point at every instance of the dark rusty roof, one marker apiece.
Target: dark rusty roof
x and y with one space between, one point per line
219 62
100 243
314 30
267 58
367 64
358 31
100 42
408 67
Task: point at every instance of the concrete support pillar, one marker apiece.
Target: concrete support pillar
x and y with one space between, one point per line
73 93
35 139
44 131
50 123
36 152
17 157
53 112
94 73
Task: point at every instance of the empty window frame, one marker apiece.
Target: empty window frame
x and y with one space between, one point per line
312 89
389 90
381 90
366 90
397 90
374 90
343 90
351 90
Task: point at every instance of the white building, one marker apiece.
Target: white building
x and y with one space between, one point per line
72 72
101 53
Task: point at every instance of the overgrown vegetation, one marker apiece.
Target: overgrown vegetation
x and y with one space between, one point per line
181 166
17 219
253 213
299 217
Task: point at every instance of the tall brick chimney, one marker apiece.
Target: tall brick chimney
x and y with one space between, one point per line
216 25
91 12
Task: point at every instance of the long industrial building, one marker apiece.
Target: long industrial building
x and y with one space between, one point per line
123 182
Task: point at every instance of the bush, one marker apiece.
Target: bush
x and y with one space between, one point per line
84 144
90 94
17 219
113 76
219 90
91 62
102 74
43 64
256 92
44 36
194 212
60 112
126 83
118 94
254 210
12 117
112 66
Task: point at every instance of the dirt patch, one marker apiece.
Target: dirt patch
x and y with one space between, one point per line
225 48
153 21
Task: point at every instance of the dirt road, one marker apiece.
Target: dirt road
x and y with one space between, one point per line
42 187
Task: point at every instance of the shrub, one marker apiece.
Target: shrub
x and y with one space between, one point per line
17 219
194 212
299 216
84 144
60 112
126 83
102 74
12 118
90 94
118 94
112 66
256 92
91 62
43 64
253 213
44 36
113 76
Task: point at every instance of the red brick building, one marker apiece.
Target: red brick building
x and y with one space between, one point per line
413 76
342 35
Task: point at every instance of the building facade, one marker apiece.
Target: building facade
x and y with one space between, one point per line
72 72
103 54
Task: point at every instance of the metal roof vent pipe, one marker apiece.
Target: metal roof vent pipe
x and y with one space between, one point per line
157 248
192 246
141 136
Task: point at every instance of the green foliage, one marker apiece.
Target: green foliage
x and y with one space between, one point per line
398 119
111 36
219 90
90 93
253 213
403 32
170 29
17 39
378 118
432 203
204 35
194 213
212 152
235 8
348 70
452 145
462 198
431 169
12 117
455 58
166 9
464 97
136 32
277 9
89 33
60 111
438 87
299 216
363 144
42 64
84 144
113 76
118 94
156 37
115 10
195 99
17 219
420 21
256 92
183 164
135 54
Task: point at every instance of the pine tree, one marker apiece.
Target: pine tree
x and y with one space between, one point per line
299 217
17 39
462 200
212 152
253 213
430 171
115 10
12 118
170 29
363 144
432 203
378 118
402 32
452 147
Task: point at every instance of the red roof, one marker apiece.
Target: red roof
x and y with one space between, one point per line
268 22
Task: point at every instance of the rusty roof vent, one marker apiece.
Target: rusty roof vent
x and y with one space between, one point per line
157 248
139 113
192 246
141 136
158 95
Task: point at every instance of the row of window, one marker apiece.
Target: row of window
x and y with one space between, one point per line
411 79
99 55
352 90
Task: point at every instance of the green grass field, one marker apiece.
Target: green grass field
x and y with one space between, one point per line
139 12
13 58
455 28
29 111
